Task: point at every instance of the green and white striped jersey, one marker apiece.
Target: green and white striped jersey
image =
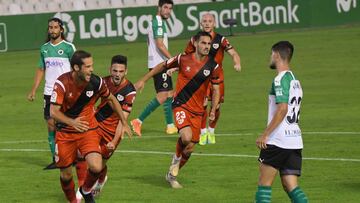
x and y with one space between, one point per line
55 59
157 29
286 89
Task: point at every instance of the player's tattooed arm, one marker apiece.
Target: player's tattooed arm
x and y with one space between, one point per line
161 46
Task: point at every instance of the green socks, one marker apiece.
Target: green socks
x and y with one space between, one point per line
51 139
168 111
297 196
263 194
154 103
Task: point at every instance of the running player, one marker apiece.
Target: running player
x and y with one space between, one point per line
109 125
281 142
219 45
72 106
196 71
157 53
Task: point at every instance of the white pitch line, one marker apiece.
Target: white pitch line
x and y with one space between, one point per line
195 154
172 136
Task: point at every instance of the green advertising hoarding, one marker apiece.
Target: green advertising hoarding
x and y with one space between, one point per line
130 24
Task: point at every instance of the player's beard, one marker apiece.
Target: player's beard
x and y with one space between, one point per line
272 65
54 36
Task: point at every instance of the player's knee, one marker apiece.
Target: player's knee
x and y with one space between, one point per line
66 174
95 167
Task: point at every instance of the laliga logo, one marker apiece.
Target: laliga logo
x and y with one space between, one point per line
69 25
174 26
345 5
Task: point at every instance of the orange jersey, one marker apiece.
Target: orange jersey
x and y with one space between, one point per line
193 79
78 100
219 45
125 93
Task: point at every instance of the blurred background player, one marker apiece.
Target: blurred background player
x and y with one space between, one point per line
55 57
196 71
72 106
219 45
157 53
109 125
281 142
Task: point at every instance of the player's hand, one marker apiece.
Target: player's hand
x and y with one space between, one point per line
171 71
31 96
80 125
212 116
139 85
261 141
110 146
126 130
237 67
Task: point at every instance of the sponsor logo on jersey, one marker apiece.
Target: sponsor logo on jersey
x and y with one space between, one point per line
49 64
215 45
165 85
53 97
60 52
120 97
206 72
160 31
89 93
187 69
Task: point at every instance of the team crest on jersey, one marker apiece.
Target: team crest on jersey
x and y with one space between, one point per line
206 72
187 69
61 52
215 45
89 93
120 97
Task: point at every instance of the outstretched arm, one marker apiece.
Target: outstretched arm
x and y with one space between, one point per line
139 85
236 59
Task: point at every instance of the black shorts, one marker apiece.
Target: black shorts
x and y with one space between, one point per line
162 82
47 107
287 161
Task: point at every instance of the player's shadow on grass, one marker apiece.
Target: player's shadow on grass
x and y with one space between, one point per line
153 180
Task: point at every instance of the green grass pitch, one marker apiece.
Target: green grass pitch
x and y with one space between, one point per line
327 63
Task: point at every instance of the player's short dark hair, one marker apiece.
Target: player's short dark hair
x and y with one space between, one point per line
77 58
61 24
162 2
119 59
201 34
285 49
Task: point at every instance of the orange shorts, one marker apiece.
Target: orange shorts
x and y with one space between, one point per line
185 118
222 92
68 144
106 137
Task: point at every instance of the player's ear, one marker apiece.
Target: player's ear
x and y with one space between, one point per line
76 67
126 71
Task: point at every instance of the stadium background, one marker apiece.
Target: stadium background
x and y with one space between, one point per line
326 61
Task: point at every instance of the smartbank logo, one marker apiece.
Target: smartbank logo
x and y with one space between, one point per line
128 27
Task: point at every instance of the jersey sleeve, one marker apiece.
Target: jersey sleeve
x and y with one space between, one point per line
215 76
128 101
190 48
281 88
158 28
104 91
58 94
173 62
225 44
71 51
41 60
